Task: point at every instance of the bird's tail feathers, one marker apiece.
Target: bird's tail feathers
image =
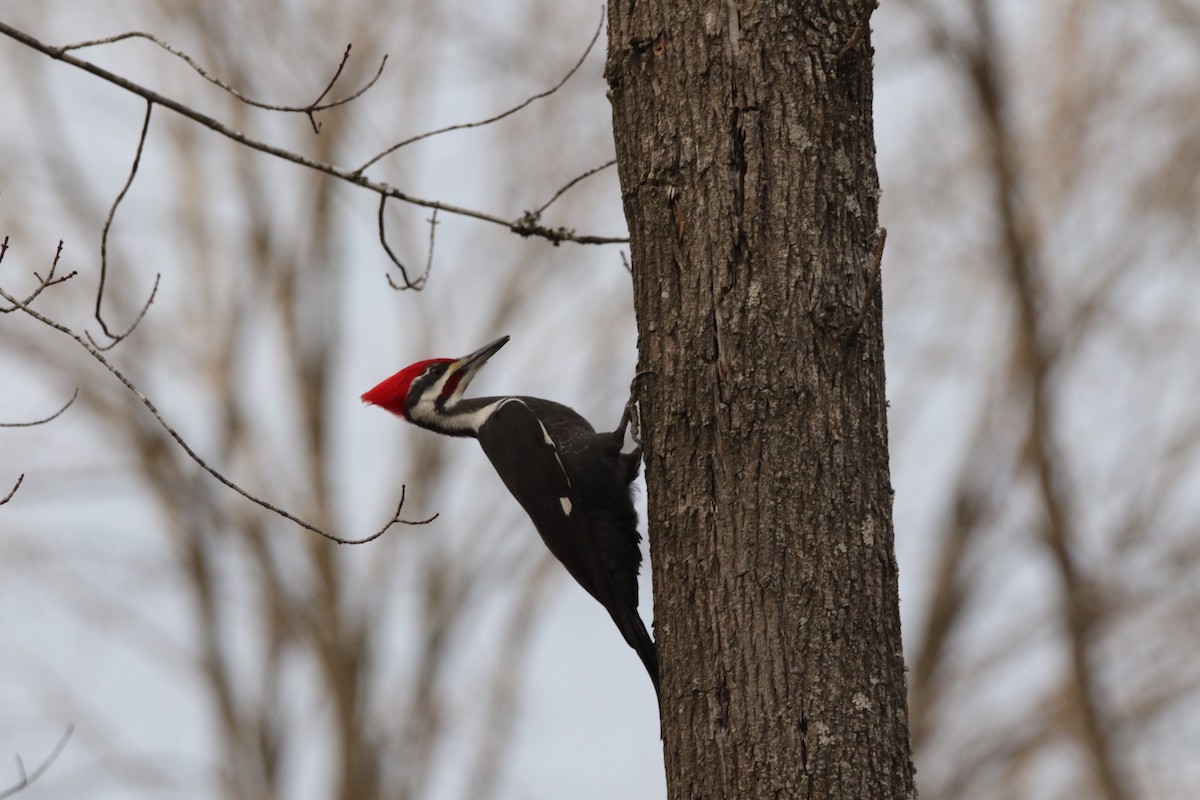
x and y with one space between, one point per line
635 633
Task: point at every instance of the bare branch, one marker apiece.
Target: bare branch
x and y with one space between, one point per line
13 490
424 276
408 283
43 283
527 227
521 227
118 337
433 223
308 109
536 214
96 353
43 420
23 780
496 118
316 105
50 280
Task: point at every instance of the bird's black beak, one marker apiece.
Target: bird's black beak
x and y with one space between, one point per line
469 365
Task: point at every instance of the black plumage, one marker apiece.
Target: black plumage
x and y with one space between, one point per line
573 482
536 445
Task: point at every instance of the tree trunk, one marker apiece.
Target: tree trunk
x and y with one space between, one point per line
747 160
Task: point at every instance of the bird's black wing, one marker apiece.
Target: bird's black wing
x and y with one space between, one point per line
527 460
525 457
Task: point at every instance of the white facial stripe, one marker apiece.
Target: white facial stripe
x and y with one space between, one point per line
424 410
565 502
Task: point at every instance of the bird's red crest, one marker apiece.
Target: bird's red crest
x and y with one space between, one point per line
391 393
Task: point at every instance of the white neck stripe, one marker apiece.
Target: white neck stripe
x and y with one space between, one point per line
426 413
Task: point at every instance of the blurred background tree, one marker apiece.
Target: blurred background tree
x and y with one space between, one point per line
1041 177
1042 315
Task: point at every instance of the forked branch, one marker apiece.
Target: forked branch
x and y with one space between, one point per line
536 214
43 283
406 282
98 355
496 117
25 780
116 338
520 226
308 109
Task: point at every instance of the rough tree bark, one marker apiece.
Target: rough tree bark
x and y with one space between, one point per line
747 161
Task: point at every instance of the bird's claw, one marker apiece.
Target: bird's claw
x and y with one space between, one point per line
631 418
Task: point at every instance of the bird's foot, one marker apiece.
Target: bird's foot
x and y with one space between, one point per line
631 418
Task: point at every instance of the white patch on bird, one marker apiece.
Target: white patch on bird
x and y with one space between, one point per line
566 505
550 441
425 411
545 433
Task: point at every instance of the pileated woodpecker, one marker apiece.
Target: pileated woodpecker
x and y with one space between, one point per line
572 481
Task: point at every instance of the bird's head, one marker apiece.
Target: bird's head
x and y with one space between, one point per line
428 392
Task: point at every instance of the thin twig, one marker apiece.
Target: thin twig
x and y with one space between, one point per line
496 118
10 494
118 337
23 780
553 235
424 276
312 108
309 109
408 283
95 353
433 223
43 283
537 213
43 420
337 73
50 280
